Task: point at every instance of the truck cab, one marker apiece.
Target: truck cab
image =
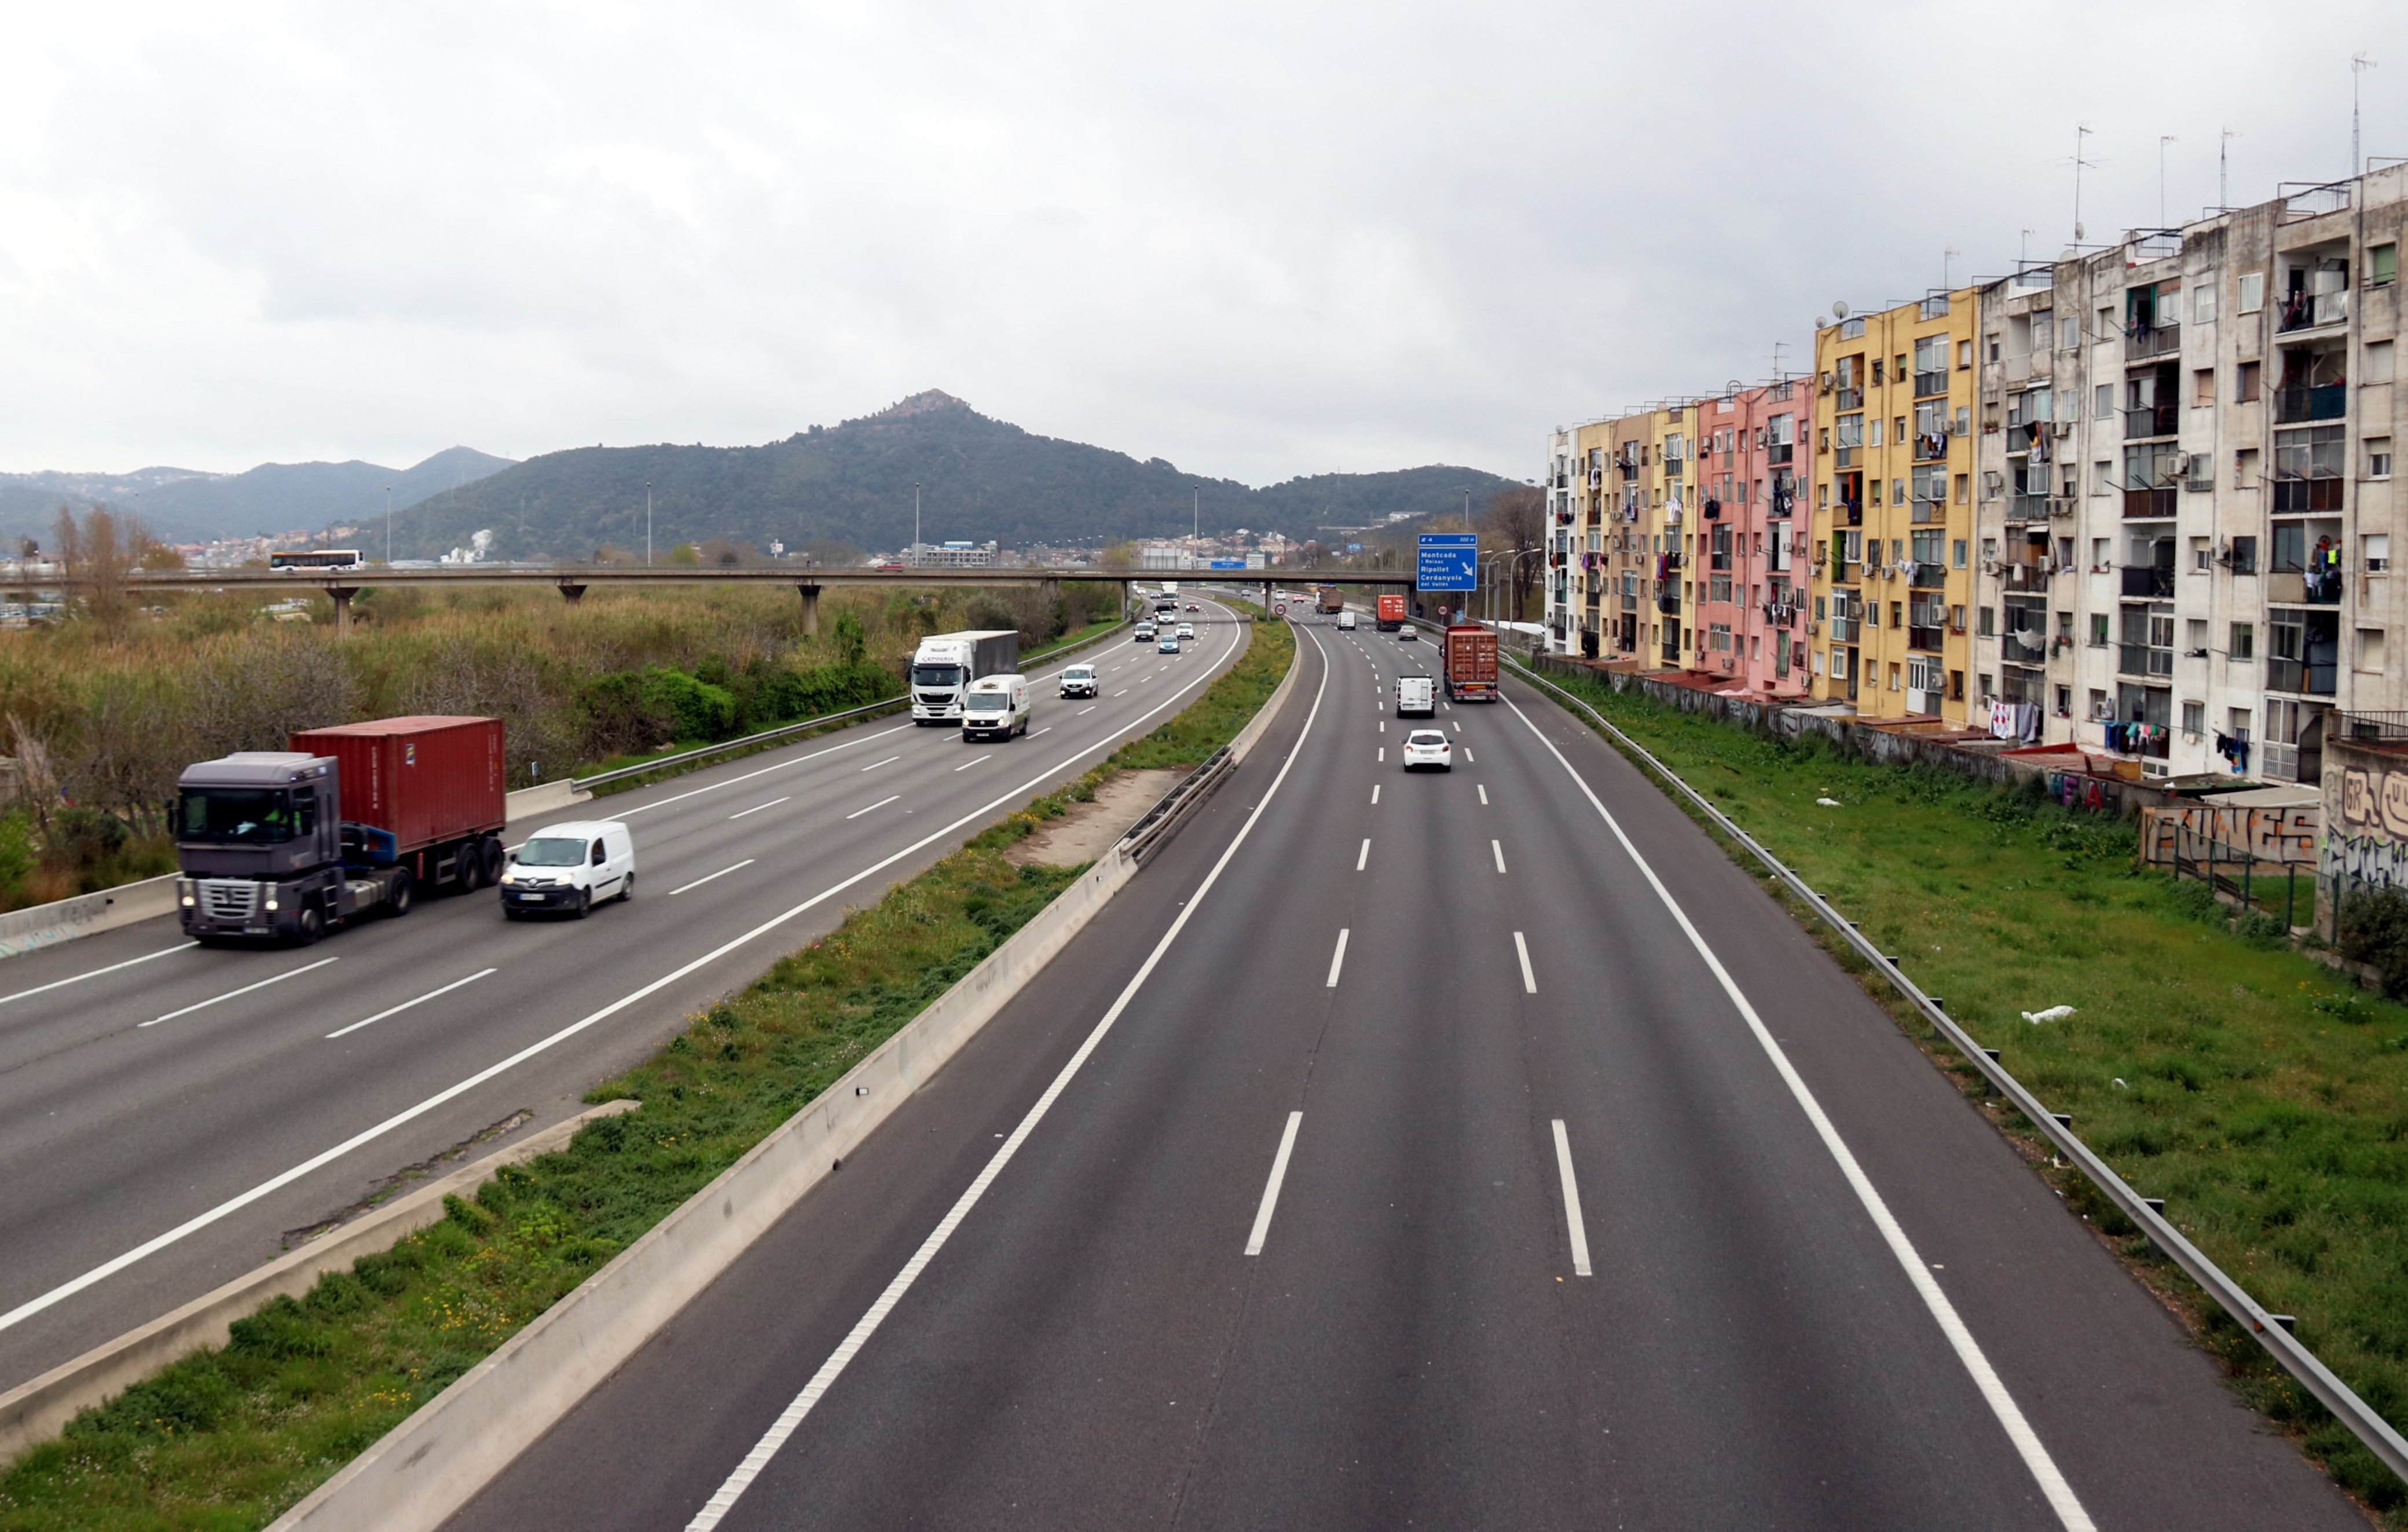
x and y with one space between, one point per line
264 852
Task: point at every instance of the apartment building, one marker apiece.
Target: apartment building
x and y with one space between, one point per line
1750 544
1892 516
2184 510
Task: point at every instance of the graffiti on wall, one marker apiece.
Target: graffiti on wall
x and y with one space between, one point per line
2287 835
2366 816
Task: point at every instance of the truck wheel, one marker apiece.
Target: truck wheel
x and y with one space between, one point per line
398 899
493 861
468 868
308 926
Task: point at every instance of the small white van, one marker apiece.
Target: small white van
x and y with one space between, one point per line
997 707
1079 680
1416 696
569 868
1345 621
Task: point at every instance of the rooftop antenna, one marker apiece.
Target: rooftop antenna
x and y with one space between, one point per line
2163 139
2223 171
1779 376
2081 142
1946 256
2023 250
2358 64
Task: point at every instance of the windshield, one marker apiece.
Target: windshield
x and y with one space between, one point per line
1427 737
989 702
551 851
935 675
252 815
1079 672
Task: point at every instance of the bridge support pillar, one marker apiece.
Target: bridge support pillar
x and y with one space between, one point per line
571 591
342 598
810 595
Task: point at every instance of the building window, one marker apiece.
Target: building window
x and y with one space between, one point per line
2102 402
2194 719
2369 649
2202 383
2382 265
2069 334
2253 291
2202 303
2244 641
2244 555
2378 363
2195 634
1958 551
2245 384
2378 457
2098 630
1989 626
2375 551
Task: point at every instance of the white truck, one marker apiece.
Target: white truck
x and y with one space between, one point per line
946 664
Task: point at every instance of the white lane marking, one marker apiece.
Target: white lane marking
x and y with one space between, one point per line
721 873
276 1182
1571 1201
1458 725
758 806
1046 729
732 781
1467 757
1337 959
94 973
966 764
1262 1229
1122 693
1497 850
875 764
1483 788
1085 710
1522 950
1375 793
1364 855
1384 725
204 1004
1384 754
2027 1442
790 1419
880 804
396 1010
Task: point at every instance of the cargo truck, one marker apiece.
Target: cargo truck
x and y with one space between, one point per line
947 664
1392 613
1326 600
287 845
1470 663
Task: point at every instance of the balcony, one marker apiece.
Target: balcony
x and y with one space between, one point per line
2313 310
2301 404
1928 576
1855 512
2141 342
2292 496
1931 446
1928 511
1781 454
2028 507
2299 676
2151 421
2023 577
2143 503
2301 588
2023 648
2141 660
1843 400
1928 637
1930 383
2146 582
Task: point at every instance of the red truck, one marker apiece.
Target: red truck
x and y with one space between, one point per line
1470 663
1392 613
350 821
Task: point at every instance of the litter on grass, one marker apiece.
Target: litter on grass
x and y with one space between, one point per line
2054 1013
1828 802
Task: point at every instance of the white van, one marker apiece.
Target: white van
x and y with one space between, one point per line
569 868
1345 621
997 707
1079 680
1416 695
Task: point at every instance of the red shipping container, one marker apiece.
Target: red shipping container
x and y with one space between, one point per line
423 780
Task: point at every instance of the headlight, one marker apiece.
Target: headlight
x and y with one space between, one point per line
271 904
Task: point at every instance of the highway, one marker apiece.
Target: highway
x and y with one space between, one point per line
169 1114
1476 1150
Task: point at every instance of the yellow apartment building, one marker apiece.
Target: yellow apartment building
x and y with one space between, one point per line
1892 516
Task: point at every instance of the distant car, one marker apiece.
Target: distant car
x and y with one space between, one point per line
1187 630
1079 680
1193 607
1170 644
1145 633
1428 748
1407 635
569 868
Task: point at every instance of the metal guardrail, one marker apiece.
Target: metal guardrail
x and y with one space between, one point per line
704 753
2272 1331
1156 825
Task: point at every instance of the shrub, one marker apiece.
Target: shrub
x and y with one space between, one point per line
2373 926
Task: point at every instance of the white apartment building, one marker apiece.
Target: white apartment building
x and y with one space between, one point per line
2184 508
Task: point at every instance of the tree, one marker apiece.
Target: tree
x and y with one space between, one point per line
98 551
685 553
1515 521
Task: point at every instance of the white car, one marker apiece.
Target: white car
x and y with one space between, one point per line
1079 680
1406 634
1187 630
569 868
1428 748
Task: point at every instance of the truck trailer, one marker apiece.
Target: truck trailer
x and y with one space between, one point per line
1470 663
287 845
1392 612
1326 600
947 663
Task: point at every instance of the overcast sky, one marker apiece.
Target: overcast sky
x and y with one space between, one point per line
1260 239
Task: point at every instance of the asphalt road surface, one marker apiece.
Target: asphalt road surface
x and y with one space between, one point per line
1425 1150
169 1113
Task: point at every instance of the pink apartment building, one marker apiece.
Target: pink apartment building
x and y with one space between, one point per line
1749 551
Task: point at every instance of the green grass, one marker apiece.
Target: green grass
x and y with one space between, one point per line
229 1439
2262 1095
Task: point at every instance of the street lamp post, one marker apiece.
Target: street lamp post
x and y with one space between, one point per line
915 524
648 523
388 524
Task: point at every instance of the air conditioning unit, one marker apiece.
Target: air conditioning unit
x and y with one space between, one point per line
1815 628
2060 428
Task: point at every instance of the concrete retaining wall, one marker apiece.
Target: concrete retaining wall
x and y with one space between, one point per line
86 914
540 800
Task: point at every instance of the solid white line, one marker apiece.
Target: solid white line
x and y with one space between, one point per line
875 764
1085 710
325 1157
1497 851
880 804
204 1004
1571 1201
1522 949
721 873
1262 1229
1375 793
406 1004
1337 959
966 764
1364 855
758 806
94 973
681 797
1483 791
2027 1441
732 1489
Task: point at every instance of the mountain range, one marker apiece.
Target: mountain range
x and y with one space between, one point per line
182 504
852 483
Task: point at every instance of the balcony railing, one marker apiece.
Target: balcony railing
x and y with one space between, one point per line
1929 511
2023 577
2298 494
1780 455
2140 342
2148 581
1929 383
1846 399
2299 676
2023 648
1930 575
2298 405
2313 310
2150 502
1922 638
1930 446
2151 421
2028 507
2141 660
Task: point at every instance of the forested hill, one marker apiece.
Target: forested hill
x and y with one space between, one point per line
979 478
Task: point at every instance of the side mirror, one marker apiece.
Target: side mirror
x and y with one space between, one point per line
511 857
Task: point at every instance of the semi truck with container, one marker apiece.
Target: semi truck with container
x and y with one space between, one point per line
1470 663
353 821
1326 600
946 664
1391 612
